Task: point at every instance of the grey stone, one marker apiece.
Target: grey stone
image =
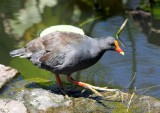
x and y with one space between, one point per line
38 100
12 106
6 74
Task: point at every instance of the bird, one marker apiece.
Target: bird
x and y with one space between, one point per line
65 49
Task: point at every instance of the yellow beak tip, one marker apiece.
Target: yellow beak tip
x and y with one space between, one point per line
122 53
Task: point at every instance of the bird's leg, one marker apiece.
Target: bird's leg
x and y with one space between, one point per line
59 83
82 84
93 88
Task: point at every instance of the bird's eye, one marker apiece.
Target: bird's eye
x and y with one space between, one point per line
112 44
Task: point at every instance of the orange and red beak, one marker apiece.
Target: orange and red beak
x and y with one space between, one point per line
118 49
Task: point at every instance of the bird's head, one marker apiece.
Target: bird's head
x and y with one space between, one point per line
113 44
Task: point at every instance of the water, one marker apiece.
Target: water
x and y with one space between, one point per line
137 71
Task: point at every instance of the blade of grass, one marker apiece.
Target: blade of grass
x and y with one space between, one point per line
120 30
89 20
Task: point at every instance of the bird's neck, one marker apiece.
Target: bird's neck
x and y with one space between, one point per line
102 44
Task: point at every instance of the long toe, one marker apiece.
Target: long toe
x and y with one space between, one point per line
95 89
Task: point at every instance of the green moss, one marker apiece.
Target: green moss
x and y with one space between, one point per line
120 108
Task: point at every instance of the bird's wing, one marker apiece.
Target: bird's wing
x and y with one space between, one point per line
61 40
52 49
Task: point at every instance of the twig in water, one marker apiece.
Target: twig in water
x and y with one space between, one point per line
149 107
122 97
149 88
132 79
129 103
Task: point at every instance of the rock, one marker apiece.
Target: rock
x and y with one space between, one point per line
6 74
40 100
145 104
12 106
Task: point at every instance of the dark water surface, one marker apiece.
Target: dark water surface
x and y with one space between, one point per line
138 70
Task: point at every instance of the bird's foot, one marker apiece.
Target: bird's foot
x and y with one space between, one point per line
117 92
95 89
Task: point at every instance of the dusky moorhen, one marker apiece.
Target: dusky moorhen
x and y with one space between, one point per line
64 49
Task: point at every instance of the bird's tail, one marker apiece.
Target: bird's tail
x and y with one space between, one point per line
19 52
